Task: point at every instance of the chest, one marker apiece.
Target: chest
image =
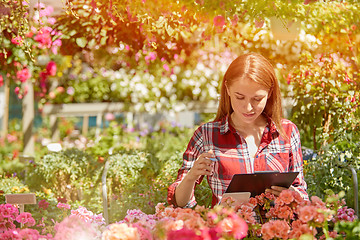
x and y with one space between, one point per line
252 145
237 154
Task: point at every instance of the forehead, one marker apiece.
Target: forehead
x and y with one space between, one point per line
247 86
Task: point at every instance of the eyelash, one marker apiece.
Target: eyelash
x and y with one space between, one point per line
258 100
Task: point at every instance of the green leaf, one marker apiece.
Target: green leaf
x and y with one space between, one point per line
81 42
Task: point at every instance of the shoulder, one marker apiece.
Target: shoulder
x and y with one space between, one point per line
289 127
286 123
210 126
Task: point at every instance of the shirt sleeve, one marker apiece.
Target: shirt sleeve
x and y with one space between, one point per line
193 150
296 163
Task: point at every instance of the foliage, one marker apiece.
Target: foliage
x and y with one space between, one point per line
68 174
332 169
187 23
326 93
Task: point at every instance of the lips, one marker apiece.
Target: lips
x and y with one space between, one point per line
248 114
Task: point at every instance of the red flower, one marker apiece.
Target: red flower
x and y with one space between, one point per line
1 80
17 41
43 204
182 234
51 68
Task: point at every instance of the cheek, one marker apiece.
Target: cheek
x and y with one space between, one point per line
262 104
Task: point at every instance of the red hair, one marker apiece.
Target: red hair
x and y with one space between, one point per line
257 68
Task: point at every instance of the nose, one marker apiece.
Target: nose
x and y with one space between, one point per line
248 107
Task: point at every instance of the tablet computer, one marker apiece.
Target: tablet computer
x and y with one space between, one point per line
257 182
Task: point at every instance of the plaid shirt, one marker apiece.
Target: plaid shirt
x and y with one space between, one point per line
275 153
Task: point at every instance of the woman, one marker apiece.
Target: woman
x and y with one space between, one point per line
247 135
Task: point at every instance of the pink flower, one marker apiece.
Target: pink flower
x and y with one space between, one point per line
17 41
23 75
150 57
70 90
219 21
309 1
63 205
259 23
73 227
28 233
55 46
44 38
60 89
307 213
109 117
166 67
11 138
26 218
286 196
17 90
8 211
275 229
43 204
51 68
234 226
143 232
182 234
51 20
88 216
1 80
235 20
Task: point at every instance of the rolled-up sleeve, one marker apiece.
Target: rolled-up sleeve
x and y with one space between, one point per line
296 163
193 150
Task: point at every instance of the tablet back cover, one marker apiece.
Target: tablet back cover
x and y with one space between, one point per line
257 182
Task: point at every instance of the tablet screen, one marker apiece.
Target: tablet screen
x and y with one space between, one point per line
257 182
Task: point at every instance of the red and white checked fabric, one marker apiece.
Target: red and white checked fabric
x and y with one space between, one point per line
275 153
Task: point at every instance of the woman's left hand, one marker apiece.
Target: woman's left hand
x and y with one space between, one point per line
276 190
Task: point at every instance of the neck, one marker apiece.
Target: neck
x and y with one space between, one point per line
238 125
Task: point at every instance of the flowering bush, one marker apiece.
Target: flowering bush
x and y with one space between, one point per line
263 217
285 217
32 53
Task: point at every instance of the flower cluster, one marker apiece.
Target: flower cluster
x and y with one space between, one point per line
178 223
88 216
73 227
29 57
289 216
9 230
346 214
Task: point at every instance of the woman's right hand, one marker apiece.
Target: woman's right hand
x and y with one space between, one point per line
202 166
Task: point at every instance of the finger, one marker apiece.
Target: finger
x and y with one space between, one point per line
200 172
209 154
204 160
205 166
276 193
278 188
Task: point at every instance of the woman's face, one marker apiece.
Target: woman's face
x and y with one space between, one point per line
248 100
